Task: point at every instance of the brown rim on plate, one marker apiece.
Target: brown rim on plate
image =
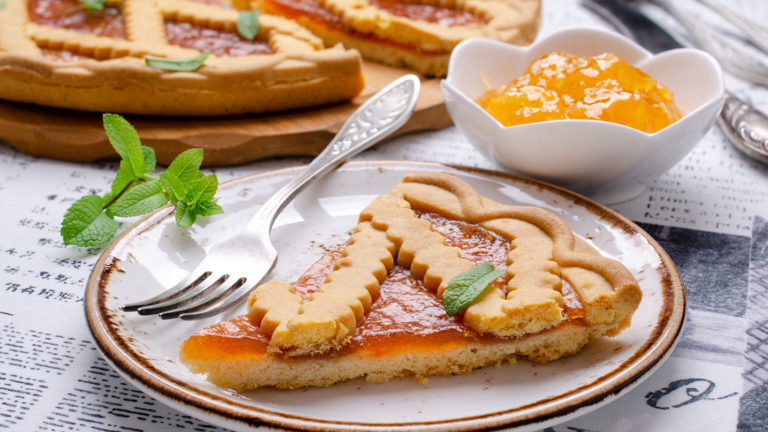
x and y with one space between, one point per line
197 401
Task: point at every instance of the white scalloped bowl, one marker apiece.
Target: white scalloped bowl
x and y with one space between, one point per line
607 161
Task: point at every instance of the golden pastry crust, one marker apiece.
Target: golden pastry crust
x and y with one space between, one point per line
529 320
298 72
418 44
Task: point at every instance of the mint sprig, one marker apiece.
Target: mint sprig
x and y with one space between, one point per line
2 4
177 65
90 221
248 24
467 286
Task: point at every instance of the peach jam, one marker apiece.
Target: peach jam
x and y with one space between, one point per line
560 86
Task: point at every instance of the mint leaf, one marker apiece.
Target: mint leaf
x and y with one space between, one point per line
150 160
141 199
186 166
93 5
123 178
185 216
202 190
125 141
467 286
134 191
198 201
173 186
248 24
86 225
177 65
2 4
209 208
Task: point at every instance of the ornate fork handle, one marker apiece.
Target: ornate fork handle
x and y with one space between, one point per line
731 56
746 127
374 120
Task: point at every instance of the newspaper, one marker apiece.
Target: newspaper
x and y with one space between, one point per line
710 212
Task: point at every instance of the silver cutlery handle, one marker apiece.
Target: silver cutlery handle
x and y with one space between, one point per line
731 56
378 117
757 33
745 126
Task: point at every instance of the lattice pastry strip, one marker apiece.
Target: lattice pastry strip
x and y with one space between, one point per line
332 313
298 72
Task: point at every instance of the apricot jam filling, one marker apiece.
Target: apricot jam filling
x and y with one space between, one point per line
219 43
70 15
561 86
405 317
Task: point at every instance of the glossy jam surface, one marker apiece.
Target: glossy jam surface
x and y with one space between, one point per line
405 317
219 43
70 15
432 13
561 86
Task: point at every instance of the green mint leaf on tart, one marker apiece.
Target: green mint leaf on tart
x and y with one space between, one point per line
248 24
177 65
93 5
134 191
467 286
2 4
141 199
85 224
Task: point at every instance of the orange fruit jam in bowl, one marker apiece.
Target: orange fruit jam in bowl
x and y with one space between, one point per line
561 85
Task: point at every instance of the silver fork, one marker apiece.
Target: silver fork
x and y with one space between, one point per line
233 267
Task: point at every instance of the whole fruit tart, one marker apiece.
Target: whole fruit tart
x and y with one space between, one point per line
138 56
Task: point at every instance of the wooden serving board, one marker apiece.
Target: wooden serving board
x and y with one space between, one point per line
79 136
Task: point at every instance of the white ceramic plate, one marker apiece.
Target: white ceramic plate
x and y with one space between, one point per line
154 254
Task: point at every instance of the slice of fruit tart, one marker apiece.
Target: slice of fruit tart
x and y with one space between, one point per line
413 292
